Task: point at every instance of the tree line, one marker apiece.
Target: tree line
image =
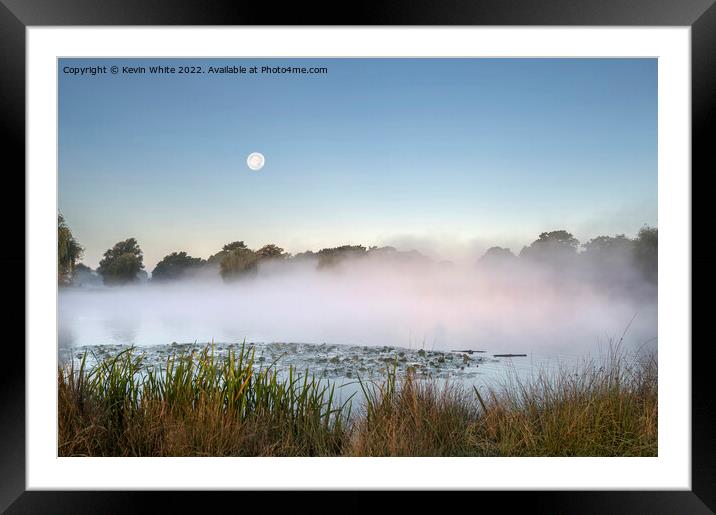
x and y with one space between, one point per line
560 249
124 262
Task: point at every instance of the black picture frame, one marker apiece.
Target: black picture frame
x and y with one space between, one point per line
17 15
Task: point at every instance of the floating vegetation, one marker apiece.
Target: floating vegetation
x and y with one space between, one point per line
333 361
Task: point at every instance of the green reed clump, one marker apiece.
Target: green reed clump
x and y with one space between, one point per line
197 404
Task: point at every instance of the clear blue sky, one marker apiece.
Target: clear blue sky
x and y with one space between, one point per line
376 151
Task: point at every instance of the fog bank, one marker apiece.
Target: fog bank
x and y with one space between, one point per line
498 307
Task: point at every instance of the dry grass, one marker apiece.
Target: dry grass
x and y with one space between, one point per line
202 405
607 410
413 417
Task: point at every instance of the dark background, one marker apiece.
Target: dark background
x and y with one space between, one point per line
15 15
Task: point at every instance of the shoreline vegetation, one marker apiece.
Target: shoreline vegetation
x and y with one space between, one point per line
200 404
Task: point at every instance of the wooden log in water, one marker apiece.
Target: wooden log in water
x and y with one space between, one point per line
468 351
509 355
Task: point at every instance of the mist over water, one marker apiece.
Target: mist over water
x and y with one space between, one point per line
513 307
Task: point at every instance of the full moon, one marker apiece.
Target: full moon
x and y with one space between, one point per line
255 161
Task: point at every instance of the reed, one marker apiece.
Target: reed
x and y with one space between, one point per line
202 404
197 404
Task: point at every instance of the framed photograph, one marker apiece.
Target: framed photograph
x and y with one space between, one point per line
414 250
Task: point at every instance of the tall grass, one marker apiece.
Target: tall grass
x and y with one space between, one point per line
409 416
200 404
600 409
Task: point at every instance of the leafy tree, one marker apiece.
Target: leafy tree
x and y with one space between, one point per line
176 266
234 245
332 256
240 262
606 245
215 259
142 276
81 268
84 275
122 263
609 252
69 252
553 246
610 261
382 250
271 251
391 255
497 256
646 252
304 256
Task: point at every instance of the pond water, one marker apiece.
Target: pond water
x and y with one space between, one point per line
345 366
